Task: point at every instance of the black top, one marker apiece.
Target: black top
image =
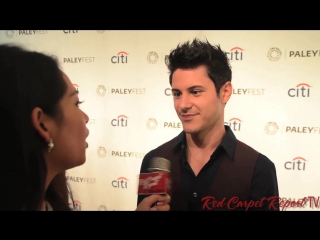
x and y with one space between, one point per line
264 181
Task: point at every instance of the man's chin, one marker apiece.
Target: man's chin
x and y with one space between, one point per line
190 130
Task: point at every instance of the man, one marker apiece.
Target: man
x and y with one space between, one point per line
211 169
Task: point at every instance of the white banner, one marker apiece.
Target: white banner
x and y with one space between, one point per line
124 81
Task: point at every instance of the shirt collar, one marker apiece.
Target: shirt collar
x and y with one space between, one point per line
228 142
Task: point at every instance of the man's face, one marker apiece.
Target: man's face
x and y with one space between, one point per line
196 101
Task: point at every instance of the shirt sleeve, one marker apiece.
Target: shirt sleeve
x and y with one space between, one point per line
144 169
265 185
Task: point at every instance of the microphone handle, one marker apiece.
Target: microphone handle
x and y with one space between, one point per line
155 204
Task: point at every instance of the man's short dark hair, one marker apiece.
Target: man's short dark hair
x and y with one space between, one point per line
197 53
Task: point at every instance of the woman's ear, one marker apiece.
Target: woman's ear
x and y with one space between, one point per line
41 122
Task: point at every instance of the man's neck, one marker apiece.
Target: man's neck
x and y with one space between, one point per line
206 140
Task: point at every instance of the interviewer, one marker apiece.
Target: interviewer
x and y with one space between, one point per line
43 133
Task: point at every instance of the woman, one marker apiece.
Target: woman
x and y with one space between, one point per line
43 133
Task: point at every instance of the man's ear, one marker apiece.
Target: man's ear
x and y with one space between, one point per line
226 92
41 123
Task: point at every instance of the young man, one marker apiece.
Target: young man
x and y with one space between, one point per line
210 168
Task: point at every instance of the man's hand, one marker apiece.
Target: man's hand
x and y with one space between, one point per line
162 203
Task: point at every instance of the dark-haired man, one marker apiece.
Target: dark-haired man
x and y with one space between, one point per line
211 169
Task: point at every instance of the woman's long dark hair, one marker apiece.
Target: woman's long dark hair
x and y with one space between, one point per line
27 80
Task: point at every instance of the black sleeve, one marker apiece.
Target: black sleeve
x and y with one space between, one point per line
143 169
265 185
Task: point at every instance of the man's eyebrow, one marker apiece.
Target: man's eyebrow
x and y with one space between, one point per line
190 88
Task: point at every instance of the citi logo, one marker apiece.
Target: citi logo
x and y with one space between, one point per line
297 163
301 90
121 57
70 31
235 54
234 124
76 86
120 121
121 182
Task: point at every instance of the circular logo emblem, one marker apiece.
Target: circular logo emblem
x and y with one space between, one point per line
102 208
274 54
152 57
271 128
9 33
166 59
101 90
100 31
102 152
152 124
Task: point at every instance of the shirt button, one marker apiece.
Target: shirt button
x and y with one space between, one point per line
195 194
182 146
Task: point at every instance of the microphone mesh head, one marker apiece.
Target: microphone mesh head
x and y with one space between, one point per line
158 164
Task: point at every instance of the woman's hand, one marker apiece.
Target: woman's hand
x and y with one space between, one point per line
162 203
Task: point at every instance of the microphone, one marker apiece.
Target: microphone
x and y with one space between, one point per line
157 180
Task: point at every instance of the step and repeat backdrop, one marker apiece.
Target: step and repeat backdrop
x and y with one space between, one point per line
123 79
